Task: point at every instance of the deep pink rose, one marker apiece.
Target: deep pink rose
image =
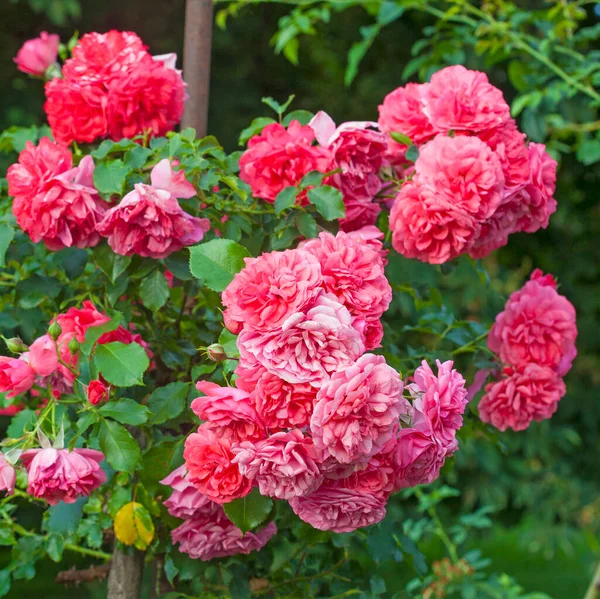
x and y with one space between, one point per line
339 509
185 500
353 272
402 112
209 537
79 320
229 411
538 325
359 213
427 225
97 392
531 392
280 157
459 99
285 465
441 398
357 410
269 289
16 375
281 404
310 345
43 356
37 54
150 222
62 475
208 459
7 476
247 373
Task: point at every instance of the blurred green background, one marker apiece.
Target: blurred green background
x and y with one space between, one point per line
545 481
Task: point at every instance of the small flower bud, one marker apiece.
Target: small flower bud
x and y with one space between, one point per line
216 352
73 345
54 330
16 345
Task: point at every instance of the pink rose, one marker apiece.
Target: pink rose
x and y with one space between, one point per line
209 537
79 320
538 325
353 272
150 222
371 236
357 410
359 213
333 507
441 398
209 462
43 356
281 404
310 345
284 466
402 112
371 331
269 289
531 392
16 375
97 392
185 500
460 99
37 54
247 373
123 335
229 411
62 475
280 157
7 476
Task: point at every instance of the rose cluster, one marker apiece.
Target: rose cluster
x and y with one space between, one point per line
475 180
534 338
313 418
58 204
112 87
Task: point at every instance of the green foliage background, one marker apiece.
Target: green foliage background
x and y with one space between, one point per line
543 483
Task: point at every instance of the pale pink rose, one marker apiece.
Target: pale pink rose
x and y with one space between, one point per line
43 356
209 462
279 158
353 272
459 99
37 54
531 392
284 466
281 404
185 500
229 411
538 325
79 320
62 475
538 194
310 345
16 375
427 225
7 476
441 398
248 372
149 220
209 537
419 456
465 170
357 410
269 289
402 112
339 509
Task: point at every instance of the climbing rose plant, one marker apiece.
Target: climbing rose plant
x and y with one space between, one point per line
195 342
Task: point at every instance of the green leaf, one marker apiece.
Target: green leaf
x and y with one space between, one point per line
306 224
20 422
94 333
122 365
217 262
161 459
136 157
73 261
111 264
412 153
312 179
4 582
154 290
302 116
7 234
249 512
63 518
589 151
109 177
171 570
256 126
328 200
126 411
35 290
167 402
55 545
229 342
120 449
401 138
276 106
285 199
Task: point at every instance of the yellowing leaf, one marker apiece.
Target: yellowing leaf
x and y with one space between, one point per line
133 525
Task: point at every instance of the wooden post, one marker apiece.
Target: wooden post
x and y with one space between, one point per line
125 577
196 63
